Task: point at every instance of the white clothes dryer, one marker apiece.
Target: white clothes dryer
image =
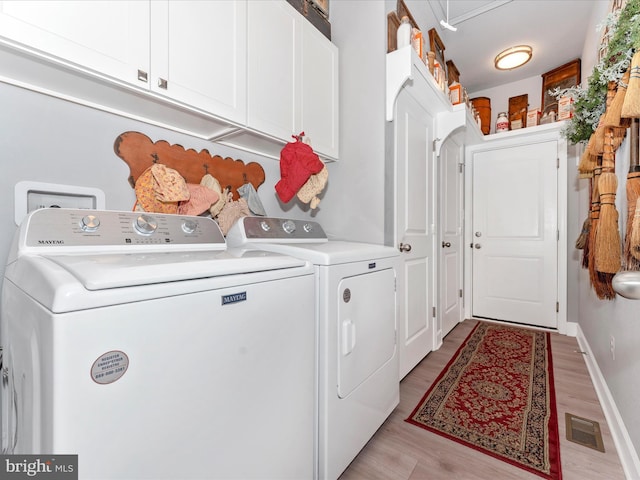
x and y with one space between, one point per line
358 380
143 345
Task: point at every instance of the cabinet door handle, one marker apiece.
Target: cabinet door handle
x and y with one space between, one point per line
162 83
142 76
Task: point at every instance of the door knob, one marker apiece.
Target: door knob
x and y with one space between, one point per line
477 245
478 234
446 244
405 247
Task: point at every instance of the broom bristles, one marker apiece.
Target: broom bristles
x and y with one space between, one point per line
581 241
587 160
608 234
587 164
633 194
601 282
631 104
612 117
634 246
598 142
618 136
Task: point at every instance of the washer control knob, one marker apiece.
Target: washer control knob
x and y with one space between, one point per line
89 223
189 226
145 224
308 227
265 226
289 226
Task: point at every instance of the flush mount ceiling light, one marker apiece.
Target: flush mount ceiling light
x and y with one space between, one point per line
513 57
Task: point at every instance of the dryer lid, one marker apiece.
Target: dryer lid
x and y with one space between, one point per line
333 252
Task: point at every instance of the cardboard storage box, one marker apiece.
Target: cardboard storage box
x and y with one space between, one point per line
565 108
533 118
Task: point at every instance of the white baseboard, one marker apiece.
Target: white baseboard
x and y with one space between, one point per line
571 329
626 451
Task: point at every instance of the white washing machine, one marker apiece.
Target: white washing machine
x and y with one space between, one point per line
358 380
143 345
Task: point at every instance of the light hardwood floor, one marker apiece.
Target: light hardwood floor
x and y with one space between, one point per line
401 451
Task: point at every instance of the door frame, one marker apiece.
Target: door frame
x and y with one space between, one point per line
524 136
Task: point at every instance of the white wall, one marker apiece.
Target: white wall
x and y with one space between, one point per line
46 139
353 208
620 318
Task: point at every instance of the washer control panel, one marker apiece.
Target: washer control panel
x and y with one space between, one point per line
276 229
62 227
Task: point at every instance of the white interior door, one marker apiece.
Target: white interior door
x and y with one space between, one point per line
414 230
451 220
515 231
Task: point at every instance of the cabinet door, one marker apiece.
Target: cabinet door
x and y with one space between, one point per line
274 68
110 38
198 53
319 91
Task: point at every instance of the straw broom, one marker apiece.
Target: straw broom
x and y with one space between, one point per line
582 242
601 286
633 194
595 216
587 160
608 236
608 249
635 232
613 115
598 141
631 105
600 257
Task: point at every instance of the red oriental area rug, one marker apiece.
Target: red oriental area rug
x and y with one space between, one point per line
497 396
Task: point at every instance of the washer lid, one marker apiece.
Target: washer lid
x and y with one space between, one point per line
67 283
99 272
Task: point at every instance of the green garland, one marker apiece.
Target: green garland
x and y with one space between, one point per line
589 105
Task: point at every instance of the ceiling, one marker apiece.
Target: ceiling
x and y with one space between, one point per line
554 28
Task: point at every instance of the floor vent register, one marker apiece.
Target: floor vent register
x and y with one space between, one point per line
584 432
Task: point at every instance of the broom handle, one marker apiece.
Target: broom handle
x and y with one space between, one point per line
634 160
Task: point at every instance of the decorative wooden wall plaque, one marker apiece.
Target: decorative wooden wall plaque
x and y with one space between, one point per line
518 107
140 152
565 76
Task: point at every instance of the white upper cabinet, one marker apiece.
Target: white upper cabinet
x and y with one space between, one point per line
274 68
319 105
198 55
244 73
292 76
83 33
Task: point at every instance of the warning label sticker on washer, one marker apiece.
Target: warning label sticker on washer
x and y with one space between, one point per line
109 367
